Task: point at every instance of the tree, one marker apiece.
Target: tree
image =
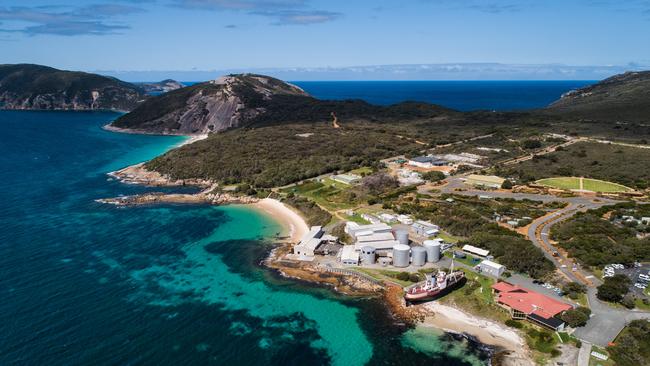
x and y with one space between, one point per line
434 176
614 288
574 289
532 144
576 317
507 184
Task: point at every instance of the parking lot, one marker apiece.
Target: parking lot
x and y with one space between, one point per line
636 274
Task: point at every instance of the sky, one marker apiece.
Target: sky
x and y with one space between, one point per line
148 38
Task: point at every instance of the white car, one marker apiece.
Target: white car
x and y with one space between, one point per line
639 285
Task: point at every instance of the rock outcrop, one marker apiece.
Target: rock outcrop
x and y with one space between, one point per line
35 87
228 102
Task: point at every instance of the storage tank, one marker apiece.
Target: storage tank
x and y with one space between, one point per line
432 248
401 255
402 236
368 255
418 256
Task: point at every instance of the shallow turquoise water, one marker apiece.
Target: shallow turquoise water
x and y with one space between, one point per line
85 283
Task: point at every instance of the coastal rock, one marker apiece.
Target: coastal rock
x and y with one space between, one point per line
35 87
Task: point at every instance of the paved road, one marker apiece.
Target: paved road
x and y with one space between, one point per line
584 355
606 321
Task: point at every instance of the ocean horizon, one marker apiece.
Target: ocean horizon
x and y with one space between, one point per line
462 95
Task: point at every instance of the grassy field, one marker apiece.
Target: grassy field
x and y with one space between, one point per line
588 184
612 163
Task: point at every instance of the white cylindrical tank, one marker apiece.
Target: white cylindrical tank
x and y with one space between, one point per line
401 255
418 256
402 236
432 248
368 255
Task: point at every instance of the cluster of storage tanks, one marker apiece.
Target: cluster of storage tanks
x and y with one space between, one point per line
405 255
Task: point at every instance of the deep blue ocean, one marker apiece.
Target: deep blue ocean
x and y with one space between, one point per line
459 95
82 283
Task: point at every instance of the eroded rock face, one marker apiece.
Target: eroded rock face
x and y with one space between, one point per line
214 106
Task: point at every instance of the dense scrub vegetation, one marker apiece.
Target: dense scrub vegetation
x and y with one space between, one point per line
614 288
310 211
632 346
590 160
268 157
595 241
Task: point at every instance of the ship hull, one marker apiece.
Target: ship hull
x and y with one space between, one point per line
432 295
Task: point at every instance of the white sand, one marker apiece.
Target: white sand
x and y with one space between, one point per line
487 331
287 217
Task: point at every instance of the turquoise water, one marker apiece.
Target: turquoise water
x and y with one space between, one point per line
89 284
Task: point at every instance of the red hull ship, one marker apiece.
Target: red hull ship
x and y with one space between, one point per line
434 286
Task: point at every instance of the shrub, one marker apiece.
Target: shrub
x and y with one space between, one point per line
414 277
514 324
614 288
507 184
576 317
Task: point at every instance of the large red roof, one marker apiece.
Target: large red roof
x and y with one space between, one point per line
527 301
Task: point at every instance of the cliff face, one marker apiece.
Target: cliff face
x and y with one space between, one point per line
230 101
34 87
624 97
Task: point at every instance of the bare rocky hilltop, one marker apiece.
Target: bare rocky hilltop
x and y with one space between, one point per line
217 105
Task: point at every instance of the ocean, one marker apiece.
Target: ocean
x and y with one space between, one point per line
84 283
459 95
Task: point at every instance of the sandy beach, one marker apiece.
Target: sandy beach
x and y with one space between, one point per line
489 332
288 218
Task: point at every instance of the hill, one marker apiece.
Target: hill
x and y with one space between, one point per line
249 100
621 98
35 87
160 87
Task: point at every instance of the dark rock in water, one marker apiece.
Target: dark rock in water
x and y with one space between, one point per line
35 87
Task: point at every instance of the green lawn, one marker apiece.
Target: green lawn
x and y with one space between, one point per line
448 238
594 185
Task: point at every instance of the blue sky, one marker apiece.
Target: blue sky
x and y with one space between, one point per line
186 35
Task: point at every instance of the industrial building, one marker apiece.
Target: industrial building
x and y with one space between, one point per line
426 162
346 178
489 181
523 303
490 268
309 242
474 250
425 228
349 256
353 229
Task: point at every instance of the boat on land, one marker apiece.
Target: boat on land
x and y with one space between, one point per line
435 286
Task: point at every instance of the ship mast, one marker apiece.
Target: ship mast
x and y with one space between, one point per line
451 269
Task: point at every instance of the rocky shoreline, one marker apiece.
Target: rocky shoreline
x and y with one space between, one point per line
355 286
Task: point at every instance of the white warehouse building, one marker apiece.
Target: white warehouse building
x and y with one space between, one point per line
491 268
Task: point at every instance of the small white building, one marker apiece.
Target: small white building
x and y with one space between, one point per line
491 268
353 229
405 219
309 242
474 250
371 218
425 228
387 218
346 178
349 256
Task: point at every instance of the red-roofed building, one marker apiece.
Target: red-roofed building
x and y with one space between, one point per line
533 306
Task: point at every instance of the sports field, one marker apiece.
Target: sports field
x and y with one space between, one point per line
586 184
